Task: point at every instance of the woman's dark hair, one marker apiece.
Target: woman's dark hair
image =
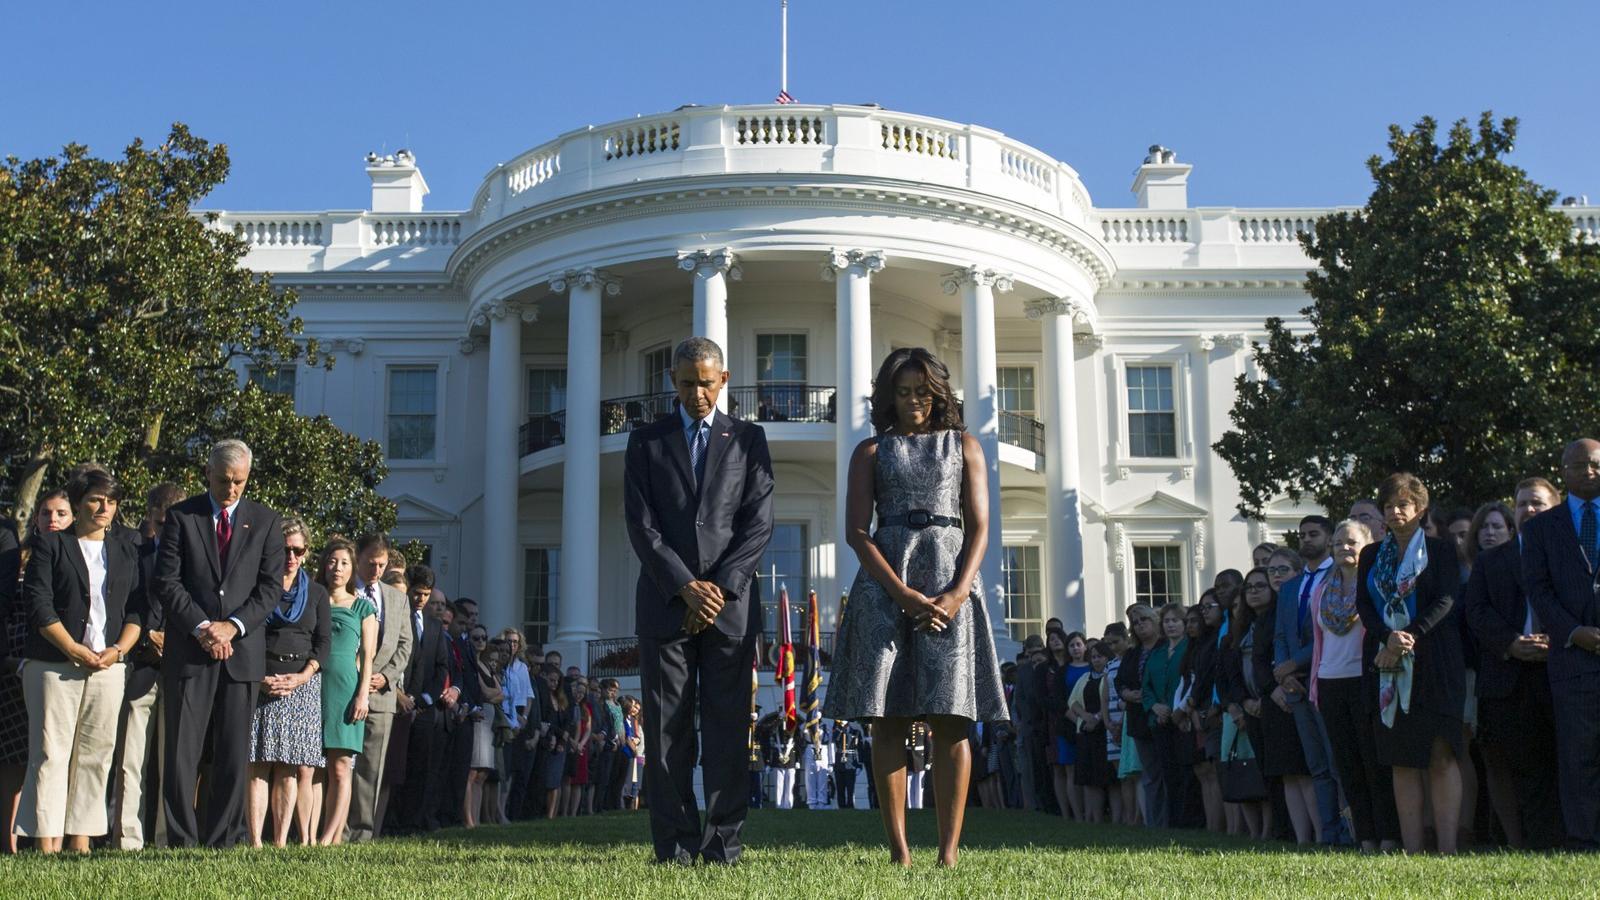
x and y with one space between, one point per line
93 481
1480 517
334 545
1066 644
1241 624
946 413
33 520
1405 486
1103 650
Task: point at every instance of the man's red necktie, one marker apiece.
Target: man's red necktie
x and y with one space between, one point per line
224 538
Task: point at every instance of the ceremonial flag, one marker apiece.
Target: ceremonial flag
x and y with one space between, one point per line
783 97
755 690
811 700
785 675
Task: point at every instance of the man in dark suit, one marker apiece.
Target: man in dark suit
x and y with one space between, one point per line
1516 724
218 574
1561 575
698 494
421 701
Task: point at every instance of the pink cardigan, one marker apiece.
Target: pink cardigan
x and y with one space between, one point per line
1316 632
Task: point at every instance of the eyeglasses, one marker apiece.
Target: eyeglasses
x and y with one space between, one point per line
1211 606
480 640
298 551
1280 570
1258 586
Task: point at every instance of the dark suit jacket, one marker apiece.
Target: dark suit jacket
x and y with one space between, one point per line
56 588
308 639
1563 590
680 535
1496 608
145 668
1438 678
193 588
429 664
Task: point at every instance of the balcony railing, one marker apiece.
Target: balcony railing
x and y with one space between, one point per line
1022 431
765 403
619 657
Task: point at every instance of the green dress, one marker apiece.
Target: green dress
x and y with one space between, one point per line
341 676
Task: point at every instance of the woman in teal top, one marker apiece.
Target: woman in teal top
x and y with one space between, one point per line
1162 673
345 682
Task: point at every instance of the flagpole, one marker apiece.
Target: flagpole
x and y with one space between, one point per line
783 79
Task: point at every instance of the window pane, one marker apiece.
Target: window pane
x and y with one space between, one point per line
541 581
657 371
274 379
1158 574
412 413
781 358
1019 573
547 391
1152 416
1016 389
785 564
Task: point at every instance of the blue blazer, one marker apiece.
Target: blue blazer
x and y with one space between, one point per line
1290 642
1562 589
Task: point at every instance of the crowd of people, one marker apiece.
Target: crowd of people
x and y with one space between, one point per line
1403 678
208 679
1365 688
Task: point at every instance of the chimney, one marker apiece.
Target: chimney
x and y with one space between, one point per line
397 184
1162 182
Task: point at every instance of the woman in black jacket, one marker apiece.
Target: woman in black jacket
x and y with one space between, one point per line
286 732
86 607
1406 592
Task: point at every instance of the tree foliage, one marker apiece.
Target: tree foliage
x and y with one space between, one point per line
1454 333
125 322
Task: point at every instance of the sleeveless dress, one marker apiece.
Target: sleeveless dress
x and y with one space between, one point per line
884 666
340 677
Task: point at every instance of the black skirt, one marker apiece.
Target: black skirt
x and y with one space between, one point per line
1280 750
1092 769
1409 744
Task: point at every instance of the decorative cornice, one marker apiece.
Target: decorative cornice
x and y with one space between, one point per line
586 277
1002 282
618 204
946 339
468 344
1201 283
1093 340
723 260
1199 544
868 261
1119 547
499 308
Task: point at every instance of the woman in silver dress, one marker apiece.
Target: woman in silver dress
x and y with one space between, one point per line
915 643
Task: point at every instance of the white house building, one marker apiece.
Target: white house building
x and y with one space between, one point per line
502 353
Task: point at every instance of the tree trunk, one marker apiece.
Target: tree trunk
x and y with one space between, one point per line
152 434
28 490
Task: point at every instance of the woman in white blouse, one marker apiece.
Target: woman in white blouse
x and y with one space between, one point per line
86 606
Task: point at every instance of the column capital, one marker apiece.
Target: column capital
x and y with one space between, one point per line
722 260
1078 310
499 308
468 344
868 261
976 275
354 346
1094 341
586 277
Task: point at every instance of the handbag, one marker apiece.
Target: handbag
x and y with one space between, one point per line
1242 781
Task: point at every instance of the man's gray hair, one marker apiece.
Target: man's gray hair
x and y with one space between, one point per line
230 452
695 349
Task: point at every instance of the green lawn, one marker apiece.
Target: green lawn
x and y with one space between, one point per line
794 854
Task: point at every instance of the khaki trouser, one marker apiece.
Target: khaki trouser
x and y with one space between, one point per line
144 731
72 735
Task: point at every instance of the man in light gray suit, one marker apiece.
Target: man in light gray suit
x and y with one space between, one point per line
388 667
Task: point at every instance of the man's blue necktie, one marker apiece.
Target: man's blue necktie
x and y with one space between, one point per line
1589 533
697 453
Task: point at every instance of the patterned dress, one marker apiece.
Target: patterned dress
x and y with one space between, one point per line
884 666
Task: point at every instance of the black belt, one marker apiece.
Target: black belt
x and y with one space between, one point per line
286 657
920 519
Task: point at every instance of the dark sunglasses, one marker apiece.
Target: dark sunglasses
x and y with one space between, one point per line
480 640
298 551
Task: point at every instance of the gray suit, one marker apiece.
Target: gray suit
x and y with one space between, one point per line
390 660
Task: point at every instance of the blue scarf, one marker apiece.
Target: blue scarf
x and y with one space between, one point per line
297 602
1394 582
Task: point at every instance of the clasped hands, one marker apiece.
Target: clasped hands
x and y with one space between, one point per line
88 659
705 600
1530 648
217 638
1399 644
283 685
930 614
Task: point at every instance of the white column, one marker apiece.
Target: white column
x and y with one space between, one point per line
578 610
851 272
712 269
1064 523
981 410
498 603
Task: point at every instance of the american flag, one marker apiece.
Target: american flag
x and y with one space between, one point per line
783 97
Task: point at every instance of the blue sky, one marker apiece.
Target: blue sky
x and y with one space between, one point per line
1275 103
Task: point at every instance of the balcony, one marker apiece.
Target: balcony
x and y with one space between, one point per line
765 403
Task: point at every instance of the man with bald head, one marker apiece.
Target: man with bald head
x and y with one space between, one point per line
1561 575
